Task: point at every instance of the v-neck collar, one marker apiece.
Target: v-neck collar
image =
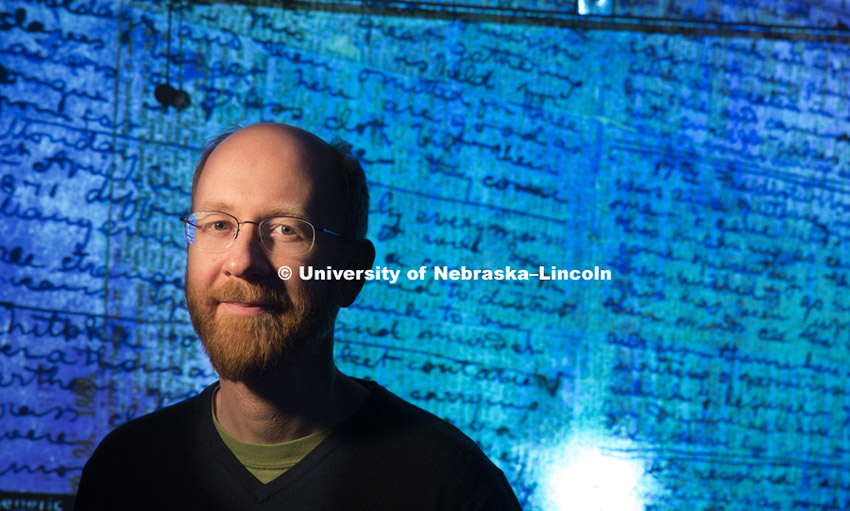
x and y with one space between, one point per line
225 459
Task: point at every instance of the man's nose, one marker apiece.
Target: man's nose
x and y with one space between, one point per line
246 256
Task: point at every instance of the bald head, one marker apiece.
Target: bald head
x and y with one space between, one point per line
335 171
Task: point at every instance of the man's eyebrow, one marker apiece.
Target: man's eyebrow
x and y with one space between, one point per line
213 206
286 211
275 211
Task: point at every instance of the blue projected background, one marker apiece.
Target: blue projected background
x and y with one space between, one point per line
699 152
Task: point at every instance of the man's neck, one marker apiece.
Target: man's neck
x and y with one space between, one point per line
289 409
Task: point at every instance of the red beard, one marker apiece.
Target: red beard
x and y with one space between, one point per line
249 347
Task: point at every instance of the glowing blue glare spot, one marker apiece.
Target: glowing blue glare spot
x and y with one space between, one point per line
190 229
592 481
597 7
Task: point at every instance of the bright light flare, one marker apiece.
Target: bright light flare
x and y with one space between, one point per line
592 481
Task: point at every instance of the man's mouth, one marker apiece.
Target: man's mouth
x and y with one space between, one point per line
246 308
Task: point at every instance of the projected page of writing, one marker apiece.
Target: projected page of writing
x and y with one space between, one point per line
600 251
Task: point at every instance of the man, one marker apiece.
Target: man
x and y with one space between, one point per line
283 429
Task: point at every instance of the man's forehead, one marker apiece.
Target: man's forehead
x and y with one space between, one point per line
280 141
274 156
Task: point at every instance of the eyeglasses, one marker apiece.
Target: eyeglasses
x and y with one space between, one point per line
214 231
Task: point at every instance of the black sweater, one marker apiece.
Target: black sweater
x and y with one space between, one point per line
389 455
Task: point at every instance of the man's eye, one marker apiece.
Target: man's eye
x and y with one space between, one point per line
219 226
286 230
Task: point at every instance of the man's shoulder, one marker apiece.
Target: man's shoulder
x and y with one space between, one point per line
390 415
420 456
394 428
166 425
151 450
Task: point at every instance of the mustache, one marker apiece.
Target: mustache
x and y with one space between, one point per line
271 296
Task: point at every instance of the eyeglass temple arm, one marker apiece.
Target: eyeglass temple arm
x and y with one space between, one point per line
328 231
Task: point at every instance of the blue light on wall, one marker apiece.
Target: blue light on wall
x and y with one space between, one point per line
702 161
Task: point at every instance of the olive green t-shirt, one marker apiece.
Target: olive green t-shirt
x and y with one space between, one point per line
268 461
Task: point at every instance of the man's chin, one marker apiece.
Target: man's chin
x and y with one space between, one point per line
246 344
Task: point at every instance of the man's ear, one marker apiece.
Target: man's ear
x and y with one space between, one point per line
362 258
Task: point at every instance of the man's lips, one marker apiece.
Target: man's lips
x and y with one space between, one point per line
246 308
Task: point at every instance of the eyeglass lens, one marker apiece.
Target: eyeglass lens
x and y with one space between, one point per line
213 231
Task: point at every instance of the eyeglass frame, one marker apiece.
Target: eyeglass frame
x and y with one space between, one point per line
239 223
